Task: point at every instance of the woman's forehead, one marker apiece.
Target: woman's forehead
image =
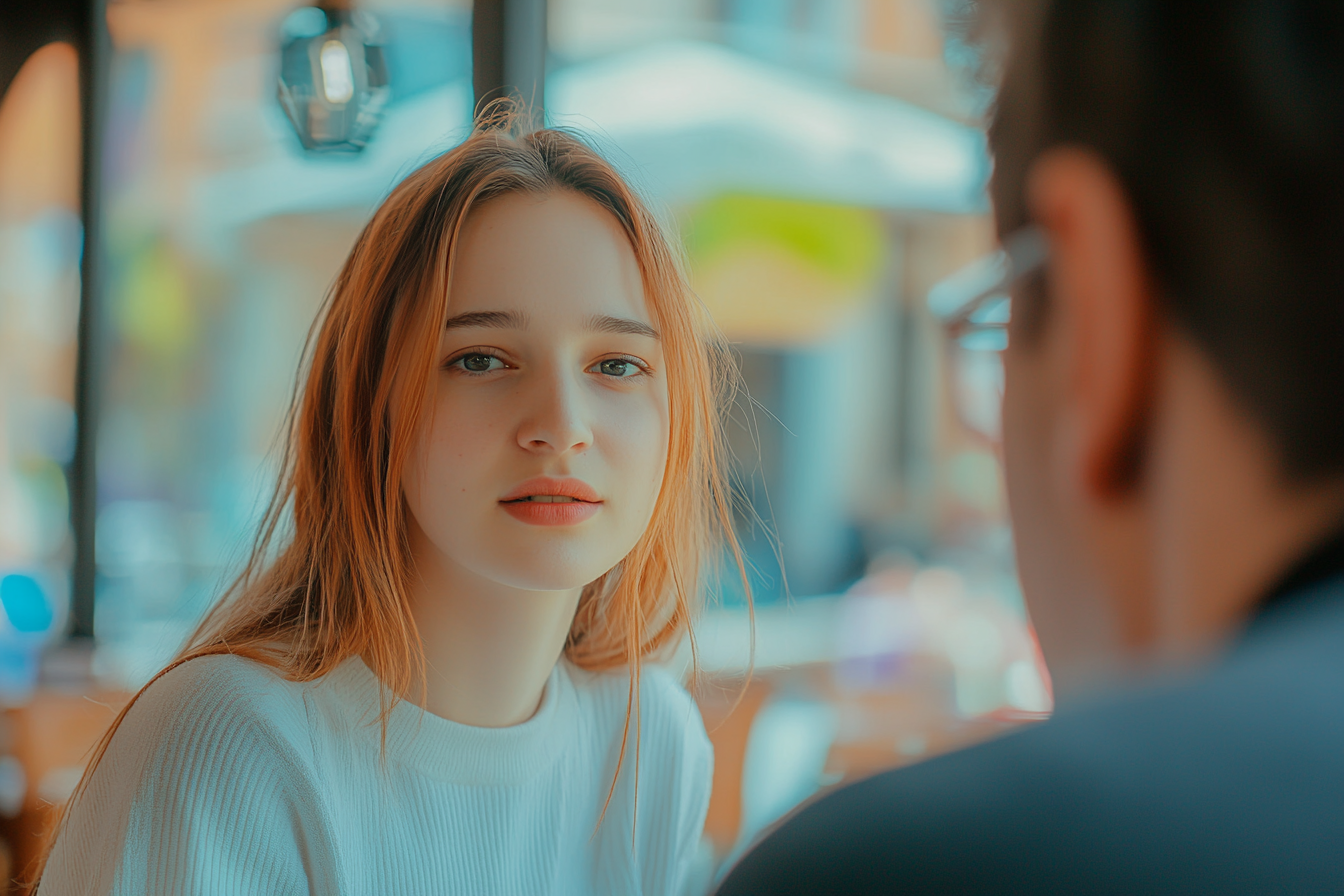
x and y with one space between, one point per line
554 258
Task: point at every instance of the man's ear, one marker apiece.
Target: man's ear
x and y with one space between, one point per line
1101 297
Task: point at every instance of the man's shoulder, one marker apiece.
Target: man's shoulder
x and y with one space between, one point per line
1227 779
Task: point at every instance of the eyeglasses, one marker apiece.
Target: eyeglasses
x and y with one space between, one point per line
974 306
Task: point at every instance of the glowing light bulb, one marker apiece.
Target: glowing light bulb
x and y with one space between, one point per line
338 77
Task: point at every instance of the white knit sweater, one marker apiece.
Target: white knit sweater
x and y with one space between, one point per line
226 779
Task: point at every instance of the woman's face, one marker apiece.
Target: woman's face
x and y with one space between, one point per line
541 451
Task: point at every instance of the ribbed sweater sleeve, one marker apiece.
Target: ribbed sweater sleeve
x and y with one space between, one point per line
691 874
673 816
208 786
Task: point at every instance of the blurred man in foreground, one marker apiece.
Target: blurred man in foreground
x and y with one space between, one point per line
1169 187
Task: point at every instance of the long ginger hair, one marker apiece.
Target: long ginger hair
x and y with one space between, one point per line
328 574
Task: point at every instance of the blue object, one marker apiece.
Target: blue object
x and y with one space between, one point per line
24 603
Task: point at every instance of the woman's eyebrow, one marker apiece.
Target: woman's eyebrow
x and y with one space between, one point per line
606 324
498 320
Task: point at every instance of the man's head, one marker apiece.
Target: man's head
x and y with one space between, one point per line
1173 433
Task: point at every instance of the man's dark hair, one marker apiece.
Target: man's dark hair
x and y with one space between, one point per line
1224 122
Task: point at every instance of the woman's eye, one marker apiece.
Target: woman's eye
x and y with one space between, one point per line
618 367
478 363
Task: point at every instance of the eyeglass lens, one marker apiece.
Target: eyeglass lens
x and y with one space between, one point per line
978 384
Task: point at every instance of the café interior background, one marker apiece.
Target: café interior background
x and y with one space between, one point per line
824 163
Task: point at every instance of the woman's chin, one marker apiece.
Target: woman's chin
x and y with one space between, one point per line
533 573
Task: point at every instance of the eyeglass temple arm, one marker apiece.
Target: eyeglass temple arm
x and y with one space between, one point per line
1024 251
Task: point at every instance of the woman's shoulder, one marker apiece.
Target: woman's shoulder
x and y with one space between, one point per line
219 702
210 771
221 683
662 789
667 712
659 688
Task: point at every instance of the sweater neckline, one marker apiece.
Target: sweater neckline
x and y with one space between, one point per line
466 754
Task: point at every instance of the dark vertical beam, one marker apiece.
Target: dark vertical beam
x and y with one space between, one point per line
487 50
508 50
94 55
525 50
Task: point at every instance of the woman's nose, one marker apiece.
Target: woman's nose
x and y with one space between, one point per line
556 422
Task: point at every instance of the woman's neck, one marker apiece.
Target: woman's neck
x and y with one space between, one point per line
489 649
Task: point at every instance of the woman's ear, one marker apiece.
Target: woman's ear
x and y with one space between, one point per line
1101 292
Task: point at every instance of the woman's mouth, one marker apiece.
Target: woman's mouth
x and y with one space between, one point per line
552 502
545 499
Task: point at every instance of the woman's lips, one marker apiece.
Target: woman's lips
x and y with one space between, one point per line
545 501
542 513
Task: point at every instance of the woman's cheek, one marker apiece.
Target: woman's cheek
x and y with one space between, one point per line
639 438
466 430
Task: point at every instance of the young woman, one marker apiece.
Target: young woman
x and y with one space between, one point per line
503 480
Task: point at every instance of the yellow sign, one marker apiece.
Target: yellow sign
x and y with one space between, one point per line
779 271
